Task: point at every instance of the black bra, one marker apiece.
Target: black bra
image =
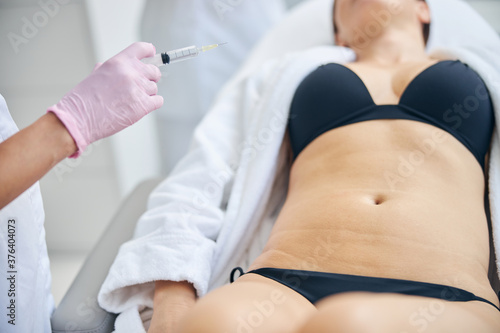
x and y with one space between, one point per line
448 95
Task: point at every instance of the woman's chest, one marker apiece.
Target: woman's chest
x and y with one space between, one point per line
387 85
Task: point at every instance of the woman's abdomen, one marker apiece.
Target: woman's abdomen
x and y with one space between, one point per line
382 205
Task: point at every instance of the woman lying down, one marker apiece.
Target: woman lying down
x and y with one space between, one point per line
407 248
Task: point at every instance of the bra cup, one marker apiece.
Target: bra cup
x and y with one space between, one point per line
458 101
448 95
325 97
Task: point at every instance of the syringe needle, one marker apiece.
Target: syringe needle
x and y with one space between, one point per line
211 47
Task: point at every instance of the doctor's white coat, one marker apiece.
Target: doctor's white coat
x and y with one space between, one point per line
24 264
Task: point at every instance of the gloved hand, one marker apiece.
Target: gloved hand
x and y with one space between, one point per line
116 95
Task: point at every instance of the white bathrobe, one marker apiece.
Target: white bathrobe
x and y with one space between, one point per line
216 208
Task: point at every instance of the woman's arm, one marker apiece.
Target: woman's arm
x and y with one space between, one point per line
172 300
29 154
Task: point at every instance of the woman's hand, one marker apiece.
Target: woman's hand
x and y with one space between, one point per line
172 300
116 95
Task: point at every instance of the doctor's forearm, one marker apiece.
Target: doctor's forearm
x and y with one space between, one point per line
31 153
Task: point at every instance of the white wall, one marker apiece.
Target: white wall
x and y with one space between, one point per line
489 9
114 25
80 196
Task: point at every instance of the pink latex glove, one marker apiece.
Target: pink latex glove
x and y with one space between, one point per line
116 95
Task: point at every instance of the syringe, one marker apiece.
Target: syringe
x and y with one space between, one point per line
178 55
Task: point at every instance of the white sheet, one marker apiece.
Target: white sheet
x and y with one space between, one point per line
216 209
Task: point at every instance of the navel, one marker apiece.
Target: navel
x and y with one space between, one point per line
378 200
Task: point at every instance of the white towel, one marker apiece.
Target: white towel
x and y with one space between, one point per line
216 208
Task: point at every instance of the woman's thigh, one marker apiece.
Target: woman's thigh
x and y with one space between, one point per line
251 304
362 312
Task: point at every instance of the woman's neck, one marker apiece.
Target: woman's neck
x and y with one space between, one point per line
393 47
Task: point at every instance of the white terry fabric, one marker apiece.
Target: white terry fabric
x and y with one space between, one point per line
218 205
33 300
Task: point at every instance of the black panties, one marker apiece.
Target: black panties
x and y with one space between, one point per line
317 285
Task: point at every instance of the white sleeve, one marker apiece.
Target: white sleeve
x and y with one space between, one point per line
7 125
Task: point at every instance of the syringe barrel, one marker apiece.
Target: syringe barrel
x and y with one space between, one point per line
183 54
155 60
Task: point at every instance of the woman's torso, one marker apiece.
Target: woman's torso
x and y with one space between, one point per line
386 198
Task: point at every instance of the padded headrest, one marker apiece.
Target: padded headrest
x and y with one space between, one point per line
454 24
